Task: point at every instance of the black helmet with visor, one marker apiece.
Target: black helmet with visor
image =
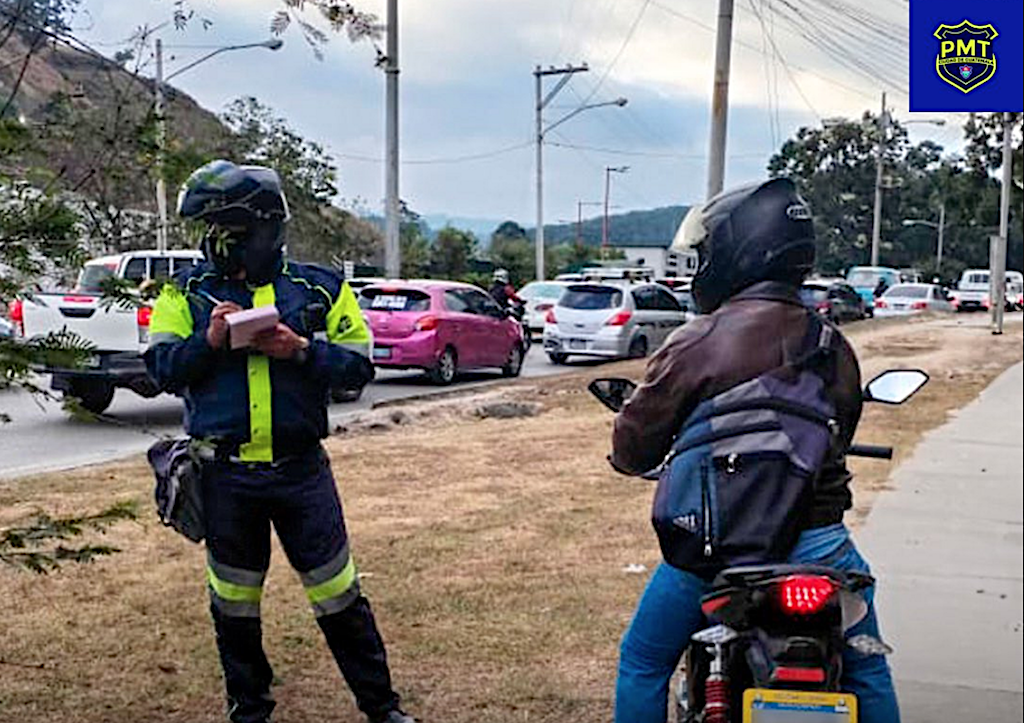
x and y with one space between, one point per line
245 212
756 232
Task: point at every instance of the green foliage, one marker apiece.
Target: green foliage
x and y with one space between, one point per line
318 230
835 169
37 546
451 253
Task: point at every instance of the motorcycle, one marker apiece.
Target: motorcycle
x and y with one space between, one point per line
773 650
517 311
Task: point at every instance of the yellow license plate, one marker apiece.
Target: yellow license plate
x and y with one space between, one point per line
795 706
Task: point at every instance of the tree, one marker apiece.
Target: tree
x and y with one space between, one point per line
318 230
413 240
511 249
451 253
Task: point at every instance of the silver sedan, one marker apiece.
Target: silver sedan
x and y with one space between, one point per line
904 299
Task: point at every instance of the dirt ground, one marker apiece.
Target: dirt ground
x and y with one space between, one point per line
497 553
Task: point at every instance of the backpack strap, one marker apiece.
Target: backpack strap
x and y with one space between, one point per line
817 349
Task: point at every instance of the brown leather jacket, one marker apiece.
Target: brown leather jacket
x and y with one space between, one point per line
753 332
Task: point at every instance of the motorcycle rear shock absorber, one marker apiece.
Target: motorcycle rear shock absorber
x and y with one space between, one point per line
716 691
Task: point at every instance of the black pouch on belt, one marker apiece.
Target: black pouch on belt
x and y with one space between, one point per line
178 493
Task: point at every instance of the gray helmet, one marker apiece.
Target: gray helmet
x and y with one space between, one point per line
246 212
501 276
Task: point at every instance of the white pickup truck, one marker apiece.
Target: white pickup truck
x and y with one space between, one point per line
119 335
973 291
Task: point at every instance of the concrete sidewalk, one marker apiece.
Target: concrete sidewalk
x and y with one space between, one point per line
947 547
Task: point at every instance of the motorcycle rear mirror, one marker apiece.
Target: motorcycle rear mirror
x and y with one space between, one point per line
895 386
612 392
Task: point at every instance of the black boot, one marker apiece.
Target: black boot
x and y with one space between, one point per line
359 651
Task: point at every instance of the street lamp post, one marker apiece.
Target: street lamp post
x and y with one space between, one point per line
940 227
541 102
883 132
161 121
608 171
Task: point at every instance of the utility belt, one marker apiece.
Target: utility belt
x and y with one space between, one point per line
229 452
178 466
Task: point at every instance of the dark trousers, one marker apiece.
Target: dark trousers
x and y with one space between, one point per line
300 499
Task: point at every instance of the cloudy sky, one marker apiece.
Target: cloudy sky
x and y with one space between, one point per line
467 92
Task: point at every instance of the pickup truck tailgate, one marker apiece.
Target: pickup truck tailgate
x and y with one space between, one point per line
108 329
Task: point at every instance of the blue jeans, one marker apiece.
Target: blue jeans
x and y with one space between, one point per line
669 614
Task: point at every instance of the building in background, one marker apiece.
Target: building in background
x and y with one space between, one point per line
657 254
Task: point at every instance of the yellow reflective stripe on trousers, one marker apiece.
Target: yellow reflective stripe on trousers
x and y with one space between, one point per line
233 592
260 447
335 587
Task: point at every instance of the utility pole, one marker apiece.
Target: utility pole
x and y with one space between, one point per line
720 99
608 171
161 141
876 224
942 229
392 244
997 266
538 75
579 218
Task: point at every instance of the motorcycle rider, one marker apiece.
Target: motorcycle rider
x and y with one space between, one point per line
502 290
755 245
263 410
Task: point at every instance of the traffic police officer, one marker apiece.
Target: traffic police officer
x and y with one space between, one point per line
264 411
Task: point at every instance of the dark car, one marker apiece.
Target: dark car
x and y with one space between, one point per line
834 299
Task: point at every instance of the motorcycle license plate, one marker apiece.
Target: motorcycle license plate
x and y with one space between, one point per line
794 706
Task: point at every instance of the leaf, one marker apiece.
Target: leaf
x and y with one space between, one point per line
282 19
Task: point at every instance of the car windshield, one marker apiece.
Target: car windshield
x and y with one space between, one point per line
92 277
394 300
541 291
864 278
813 294
591 297
906 291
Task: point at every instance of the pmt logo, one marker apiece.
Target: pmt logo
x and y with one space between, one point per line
965 58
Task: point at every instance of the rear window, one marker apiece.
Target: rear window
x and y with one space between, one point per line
591 297
977 278
813 294
394 300
907 292
92 277
541 291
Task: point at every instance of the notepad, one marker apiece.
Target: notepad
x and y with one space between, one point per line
246 324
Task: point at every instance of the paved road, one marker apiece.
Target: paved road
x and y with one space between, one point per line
947 548
41 437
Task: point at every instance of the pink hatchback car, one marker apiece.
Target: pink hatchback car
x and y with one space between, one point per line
443 327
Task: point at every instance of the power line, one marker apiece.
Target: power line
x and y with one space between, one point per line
646 154
437 161
618 55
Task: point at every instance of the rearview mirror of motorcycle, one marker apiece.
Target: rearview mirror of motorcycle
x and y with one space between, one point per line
612 392
895 386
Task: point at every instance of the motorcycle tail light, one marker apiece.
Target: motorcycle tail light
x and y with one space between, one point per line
549 318
619 319
798 675
805 594
713 605
426 323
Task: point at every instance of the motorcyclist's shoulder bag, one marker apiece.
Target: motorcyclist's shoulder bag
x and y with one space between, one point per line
179 501
741 473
